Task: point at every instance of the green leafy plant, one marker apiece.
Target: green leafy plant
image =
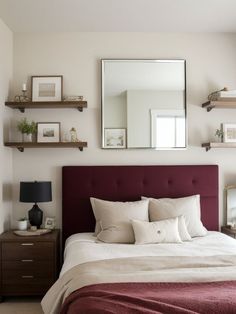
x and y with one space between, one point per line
219 133
26 127
22 219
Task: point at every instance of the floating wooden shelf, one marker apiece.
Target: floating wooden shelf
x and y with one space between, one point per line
21 145
221 104
80 105
210 145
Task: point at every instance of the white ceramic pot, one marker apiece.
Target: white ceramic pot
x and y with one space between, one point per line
26 137
22 224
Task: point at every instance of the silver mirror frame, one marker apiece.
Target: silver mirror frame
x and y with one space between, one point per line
102 102
228 216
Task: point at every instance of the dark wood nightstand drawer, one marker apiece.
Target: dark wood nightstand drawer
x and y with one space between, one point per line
229 231
28 265
27 287
16 251
26 276
36 267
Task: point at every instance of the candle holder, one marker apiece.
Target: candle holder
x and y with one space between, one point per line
23 97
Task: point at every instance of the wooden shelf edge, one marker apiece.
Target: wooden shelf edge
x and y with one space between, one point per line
80 105
210 145
22 145
220 104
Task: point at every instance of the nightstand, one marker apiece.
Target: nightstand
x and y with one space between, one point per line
230 232
29 264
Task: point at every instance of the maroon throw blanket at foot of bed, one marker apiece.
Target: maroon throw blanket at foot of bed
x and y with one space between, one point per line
149 298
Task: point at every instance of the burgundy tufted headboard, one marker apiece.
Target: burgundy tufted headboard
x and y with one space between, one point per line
129 183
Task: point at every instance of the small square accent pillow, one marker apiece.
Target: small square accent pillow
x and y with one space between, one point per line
163 231
115 219
189 207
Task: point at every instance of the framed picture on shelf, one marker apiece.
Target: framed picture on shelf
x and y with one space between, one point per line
50 223
229 131
47 88
48 132
115 138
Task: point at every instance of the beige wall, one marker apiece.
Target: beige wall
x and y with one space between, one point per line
6 62
211 65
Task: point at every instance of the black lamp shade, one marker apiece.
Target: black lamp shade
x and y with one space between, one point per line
35 192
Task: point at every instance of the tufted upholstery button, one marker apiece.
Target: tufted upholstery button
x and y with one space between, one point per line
169 181
194 181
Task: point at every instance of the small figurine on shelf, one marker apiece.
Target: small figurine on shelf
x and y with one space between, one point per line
73 135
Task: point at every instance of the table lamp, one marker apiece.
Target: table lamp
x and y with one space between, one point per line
35 192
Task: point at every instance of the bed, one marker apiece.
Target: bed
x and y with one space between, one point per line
194 277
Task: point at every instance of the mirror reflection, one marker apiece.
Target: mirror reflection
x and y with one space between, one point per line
231 204
143 104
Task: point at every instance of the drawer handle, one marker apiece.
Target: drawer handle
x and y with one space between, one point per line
27 277
27 243
27 260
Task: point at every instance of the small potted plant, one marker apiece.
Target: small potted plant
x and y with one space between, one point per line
22 224
27 129
220 134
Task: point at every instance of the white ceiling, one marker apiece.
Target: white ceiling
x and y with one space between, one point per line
119 15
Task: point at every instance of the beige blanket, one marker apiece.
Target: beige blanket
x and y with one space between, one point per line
139 269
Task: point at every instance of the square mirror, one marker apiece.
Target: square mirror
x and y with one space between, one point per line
144 104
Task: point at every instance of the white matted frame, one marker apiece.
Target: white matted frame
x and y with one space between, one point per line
47 88
114 138
48 132
50 223
229 131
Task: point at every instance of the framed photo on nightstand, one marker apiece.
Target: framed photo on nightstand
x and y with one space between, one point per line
50 223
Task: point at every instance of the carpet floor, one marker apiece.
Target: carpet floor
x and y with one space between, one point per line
21 305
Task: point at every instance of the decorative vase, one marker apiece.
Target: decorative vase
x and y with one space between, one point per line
22 224
27 137
35 216
219 139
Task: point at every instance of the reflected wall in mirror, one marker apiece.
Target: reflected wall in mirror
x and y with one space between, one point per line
148 99
231 205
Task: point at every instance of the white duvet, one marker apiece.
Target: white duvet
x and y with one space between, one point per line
84 247
87 262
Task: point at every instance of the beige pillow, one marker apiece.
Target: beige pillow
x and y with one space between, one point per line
115 219
189 207
163 231
97 225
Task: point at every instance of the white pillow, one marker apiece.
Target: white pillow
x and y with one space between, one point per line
164 231
189 207
115 219
183 231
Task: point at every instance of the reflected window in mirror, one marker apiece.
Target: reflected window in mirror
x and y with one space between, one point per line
148 99
168 128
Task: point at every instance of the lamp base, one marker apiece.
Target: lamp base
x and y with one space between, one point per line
35 216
